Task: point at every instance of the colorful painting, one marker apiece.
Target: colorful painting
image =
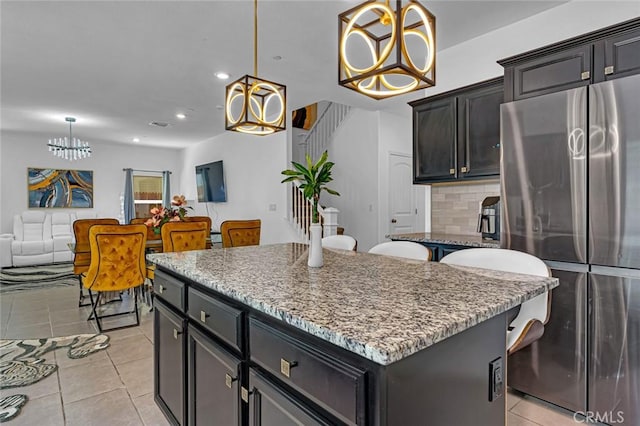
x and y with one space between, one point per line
60 188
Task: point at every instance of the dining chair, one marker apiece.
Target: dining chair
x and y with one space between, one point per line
184 236
528 325
117 264
82 252
406 249
344 242
237 233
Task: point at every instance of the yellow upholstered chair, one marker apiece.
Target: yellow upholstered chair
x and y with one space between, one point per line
184 236
237 233
82 251
117 264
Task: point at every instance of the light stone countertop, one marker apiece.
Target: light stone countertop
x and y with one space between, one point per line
443 238
382 308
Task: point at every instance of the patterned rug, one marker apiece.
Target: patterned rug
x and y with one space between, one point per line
30 277
21 363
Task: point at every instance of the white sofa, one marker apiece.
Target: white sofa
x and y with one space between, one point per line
39 238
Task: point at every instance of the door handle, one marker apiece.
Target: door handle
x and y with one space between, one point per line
393 221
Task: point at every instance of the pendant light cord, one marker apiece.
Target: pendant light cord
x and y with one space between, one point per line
255 38
70 133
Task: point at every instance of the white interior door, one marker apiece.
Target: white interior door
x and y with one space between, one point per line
403 211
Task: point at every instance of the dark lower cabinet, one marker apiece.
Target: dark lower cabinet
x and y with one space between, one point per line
214 382
169 347
270 406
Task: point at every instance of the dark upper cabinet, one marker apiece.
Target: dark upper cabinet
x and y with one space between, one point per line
601 55
434 140
214 382
479 131
552 73
617 56
169 347
456 135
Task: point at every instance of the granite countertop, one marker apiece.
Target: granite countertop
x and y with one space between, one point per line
382 308
442 238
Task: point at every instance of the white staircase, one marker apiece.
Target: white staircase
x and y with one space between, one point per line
314 144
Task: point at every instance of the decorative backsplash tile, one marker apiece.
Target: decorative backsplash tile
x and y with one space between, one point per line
455 208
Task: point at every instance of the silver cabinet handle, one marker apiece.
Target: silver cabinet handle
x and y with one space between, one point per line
160 288
204 316
228 380
585 75
608 70
176 333
286 366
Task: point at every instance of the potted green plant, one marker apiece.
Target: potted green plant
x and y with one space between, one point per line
313 180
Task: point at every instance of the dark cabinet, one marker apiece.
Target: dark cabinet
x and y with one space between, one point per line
214 382
601 55
552 73
169 354
618 56
456 135
435 140
270 406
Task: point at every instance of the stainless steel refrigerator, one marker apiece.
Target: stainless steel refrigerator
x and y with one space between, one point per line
570 183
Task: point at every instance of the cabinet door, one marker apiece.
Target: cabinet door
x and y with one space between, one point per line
617 56
169 357
479 132
553 73
271 406
434 141
214 390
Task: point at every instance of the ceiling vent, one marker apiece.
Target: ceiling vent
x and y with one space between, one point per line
159 124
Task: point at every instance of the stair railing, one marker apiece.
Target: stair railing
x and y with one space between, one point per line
323 129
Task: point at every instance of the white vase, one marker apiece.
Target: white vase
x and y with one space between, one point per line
315 248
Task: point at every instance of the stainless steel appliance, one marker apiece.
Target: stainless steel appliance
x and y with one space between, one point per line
489 218
570 183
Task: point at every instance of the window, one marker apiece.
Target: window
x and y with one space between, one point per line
147 193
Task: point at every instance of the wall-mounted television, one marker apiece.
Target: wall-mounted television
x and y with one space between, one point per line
210 183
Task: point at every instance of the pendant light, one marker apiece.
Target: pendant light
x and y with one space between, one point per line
385 52
254 105
69 149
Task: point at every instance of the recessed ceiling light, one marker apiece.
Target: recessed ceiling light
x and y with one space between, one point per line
136 140
181 116
219 107
222 75
277 58
158 124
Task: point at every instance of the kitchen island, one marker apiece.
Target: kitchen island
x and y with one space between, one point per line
252 335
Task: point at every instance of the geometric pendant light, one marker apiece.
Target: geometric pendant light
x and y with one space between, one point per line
69 149
385 52
254 105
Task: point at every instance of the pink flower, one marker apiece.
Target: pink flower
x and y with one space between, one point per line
154 211
179 200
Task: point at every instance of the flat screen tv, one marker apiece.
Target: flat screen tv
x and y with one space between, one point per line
210 183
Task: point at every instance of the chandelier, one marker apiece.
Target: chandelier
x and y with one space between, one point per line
254 105
71 148
385 52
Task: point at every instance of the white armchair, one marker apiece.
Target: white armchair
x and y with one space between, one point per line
62 232
32 242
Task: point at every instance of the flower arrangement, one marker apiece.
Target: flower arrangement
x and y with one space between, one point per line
174 213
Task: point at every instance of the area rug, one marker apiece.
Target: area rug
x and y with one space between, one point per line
30 277
21 363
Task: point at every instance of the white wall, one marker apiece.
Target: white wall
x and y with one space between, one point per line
354 150
18 151
252 166
395 136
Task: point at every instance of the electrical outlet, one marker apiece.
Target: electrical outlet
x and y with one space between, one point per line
496 379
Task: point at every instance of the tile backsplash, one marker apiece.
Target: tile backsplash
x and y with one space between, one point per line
455 208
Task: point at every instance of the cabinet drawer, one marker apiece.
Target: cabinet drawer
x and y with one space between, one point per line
219 318
170 289
332 384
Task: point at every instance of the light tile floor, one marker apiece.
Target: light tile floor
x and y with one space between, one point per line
115 387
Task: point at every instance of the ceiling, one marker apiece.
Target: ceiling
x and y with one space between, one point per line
118 65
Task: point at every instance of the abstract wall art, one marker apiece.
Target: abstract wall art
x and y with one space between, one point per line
60 188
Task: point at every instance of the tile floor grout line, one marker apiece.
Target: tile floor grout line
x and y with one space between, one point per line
528 419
